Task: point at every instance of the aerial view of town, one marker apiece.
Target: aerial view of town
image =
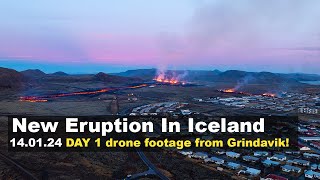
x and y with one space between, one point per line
165 58
168 94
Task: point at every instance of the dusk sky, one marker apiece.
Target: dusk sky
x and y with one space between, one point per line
114 35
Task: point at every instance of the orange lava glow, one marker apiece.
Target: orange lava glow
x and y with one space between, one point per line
138 86
269 94
32 99
46 98
166 80
229 90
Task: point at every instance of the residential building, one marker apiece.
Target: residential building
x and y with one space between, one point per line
232 154
312 174
278 157
311 156
186 153
274 177
261 153
314 166
269 163
250 159
308 138
233 166
315 144
199 155
253 172
301 162
214 160
289 168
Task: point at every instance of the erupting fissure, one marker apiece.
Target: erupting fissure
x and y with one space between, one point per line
233 90
162 78
269 94
53 96
169 81
229 90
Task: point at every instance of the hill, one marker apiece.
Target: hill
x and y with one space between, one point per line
303 77
88 78
235 76
145 74
33 73
60 73
114 79
10 79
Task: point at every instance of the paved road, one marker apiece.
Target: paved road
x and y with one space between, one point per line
150 165
151 171
152 168
140 175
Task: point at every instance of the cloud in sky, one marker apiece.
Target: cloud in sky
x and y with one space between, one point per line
251 33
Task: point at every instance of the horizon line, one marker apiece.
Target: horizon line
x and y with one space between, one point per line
154 68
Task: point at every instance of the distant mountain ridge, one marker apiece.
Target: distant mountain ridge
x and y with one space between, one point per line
10 78
303 77
232 76
190 75
149 74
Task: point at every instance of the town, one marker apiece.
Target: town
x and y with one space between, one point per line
285 102
250 163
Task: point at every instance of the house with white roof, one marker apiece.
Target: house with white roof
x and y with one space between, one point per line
312 174
311 156
253 172
301 162
278 157
214 160
186 153
250 159
233 166
289 168
232 154
260 153
199 155
314 166
270 163
310 138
